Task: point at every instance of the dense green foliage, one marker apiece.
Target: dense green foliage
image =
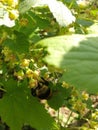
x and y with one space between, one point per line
49 48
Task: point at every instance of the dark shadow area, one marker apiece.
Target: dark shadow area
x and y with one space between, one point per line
3 125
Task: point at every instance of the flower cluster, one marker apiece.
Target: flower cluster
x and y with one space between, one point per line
9 12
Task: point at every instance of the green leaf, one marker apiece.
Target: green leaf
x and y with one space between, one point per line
41 22
18 107
60 96
26 25
77 55
19 44
84 22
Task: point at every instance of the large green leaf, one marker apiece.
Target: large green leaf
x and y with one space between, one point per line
77 55
18 107
93 29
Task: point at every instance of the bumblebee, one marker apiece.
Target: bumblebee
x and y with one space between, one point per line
42 91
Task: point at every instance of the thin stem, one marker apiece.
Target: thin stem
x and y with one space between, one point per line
2 89
68 118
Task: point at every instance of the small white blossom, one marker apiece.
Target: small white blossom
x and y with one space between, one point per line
5 20
61 13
